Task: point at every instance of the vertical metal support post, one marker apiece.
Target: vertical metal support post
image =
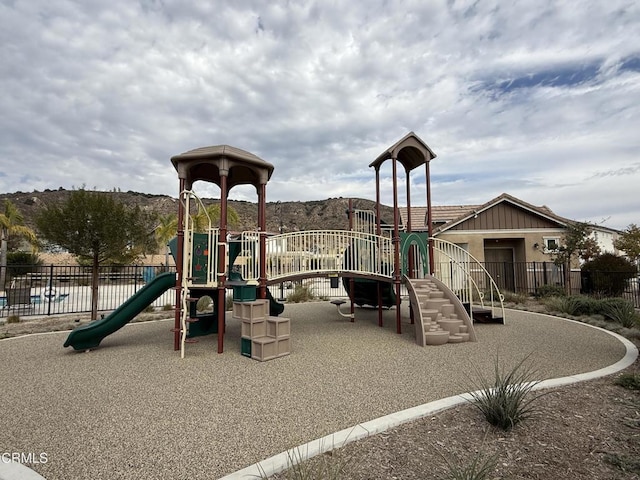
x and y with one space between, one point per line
50 285
179 272
409 229
352 282
429 215
378 221
222 244
396 243
262 227
378 232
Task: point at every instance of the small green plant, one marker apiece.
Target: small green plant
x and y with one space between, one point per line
302 293
330 465
545 291
149 309
167 306
13 319
480 468
619 310
508 399
630 381
555 304
580 305
517 298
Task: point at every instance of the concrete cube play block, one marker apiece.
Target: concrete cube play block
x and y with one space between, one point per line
264 348
256 310
283 346
254 328
278 327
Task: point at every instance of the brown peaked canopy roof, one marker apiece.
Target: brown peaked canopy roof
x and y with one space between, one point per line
209 163
410 151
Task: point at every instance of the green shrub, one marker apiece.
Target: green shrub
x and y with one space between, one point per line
302 293
507 400
607 274
13 319
149 309
167 306
581 305
555 304
545 291
21 263
619 310
630 381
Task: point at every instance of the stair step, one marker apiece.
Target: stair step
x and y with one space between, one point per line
451 326
436 338
465 336
455 339
447 310
436 303
430 313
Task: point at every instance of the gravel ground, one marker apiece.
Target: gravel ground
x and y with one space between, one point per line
134 409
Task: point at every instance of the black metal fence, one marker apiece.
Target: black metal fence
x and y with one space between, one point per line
531 278
54 289
60 289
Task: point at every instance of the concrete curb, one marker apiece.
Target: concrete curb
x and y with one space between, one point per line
282 461
17 471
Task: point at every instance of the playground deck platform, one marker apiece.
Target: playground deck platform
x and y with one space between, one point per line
134 409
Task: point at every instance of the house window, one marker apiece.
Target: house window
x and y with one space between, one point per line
551 244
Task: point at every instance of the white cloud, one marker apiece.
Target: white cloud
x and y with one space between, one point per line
536 99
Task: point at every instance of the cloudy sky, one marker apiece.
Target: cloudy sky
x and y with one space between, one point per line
536 98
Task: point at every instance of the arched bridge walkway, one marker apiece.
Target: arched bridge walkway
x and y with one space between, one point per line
315 253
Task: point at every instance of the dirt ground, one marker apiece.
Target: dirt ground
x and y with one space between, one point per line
589 430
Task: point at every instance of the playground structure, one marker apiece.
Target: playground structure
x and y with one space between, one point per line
372 262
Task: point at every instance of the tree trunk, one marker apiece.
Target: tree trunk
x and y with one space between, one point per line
94 287
567 278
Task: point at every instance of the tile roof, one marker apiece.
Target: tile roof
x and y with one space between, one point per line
446 216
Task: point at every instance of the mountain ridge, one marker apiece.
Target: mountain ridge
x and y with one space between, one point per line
328 214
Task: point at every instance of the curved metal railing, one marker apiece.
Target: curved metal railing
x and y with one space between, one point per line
465 275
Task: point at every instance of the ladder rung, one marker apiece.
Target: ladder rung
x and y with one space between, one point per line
192 299
192 320
191 340
174 330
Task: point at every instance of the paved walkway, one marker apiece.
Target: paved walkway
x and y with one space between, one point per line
133 409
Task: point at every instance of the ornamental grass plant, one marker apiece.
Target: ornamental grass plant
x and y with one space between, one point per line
507 399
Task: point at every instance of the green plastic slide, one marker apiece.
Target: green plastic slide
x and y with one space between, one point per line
90 335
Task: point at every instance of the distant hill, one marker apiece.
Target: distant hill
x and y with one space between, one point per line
293 216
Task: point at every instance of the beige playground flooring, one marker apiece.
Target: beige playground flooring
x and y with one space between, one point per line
134 409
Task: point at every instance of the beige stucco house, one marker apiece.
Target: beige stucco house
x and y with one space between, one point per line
514 239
